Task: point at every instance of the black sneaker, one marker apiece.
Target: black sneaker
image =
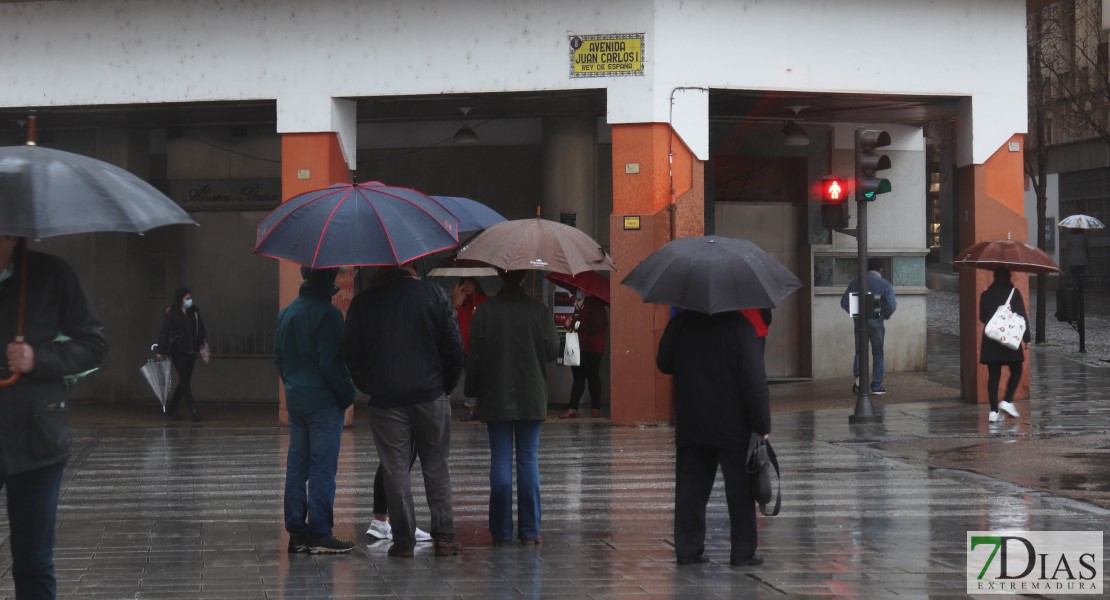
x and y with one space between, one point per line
298 542
878 392
328 544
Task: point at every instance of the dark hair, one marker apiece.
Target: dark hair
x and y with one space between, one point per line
874 264
1001 275
477 285
179 297
512 278
319 279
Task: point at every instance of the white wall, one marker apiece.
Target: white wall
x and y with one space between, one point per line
305 54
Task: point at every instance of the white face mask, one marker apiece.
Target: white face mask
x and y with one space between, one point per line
188 303
5 274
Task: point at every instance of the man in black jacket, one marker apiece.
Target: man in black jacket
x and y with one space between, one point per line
403 344
61 336
720 399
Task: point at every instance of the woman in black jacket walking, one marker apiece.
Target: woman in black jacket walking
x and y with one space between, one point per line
994 354
181 338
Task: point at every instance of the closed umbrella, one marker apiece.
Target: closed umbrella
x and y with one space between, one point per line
537 244
157 374
712 274
345 225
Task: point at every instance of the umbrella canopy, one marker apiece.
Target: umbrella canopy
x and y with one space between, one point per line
537 244
45 192
346 225
1080 222
1012 254
712 274
157 374
453 266
473 215
591 282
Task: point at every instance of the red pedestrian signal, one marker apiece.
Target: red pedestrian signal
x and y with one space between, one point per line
834 202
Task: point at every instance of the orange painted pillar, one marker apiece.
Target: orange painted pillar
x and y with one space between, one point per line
309 161
663 204
991 207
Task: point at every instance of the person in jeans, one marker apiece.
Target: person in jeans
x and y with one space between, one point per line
876 324
512 339
318 389
403 344
34 424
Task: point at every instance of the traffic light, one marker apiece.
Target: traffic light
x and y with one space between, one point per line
868 162
834 202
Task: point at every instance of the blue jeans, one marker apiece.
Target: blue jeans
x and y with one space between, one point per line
876 331
32 511
501 445
313 460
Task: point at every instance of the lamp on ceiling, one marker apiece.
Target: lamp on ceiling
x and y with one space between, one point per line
793 134
465 135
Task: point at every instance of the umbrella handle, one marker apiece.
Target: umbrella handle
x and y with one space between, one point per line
14 377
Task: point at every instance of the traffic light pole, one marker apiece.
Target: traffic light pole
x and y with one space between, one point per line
865 411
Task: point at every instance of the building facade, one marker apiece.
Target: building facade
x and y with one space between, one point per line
670 112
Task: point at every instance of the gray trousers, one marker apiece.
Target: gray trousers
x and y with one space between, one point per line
429 425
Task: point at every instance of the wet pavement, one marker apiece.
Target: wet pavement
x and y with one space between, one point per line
157 510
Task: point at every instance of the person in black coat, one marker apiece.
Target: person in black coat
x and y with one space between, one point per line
994 354
720 398
181 338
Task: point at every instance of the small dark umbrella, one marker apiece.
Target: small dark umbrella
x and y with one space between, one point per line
368 224
591 282
473 215
712 274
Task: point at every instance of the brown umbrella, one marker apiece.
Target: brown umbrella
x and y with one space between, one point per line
537 244
1012 254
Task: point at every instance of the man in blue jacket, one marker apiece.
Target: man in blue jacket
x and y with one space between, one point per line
876 324
318 389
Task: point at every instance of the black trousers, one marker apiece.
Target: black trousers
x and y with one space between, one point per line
589 373
994 377
184 364
695 471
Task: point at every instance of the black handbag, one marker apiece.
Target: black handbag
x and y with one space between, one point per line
761 459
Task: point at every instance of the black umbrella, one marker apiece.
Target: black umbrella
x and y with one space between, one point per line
712 274
46 192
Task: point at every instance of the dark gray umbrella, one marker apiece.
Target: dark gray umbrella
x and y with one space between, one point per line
712 274
46 192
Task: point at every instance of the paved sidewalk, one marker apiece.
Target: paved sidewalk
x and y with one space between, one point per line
151 510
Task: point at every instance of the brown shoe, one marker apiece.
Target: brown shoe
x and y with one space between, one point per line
595 413
448 546
570 414
535 542
398 552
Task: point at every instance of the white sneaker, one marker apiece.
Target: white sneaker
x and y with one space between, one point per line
384 531
1009 408
380 529
994 417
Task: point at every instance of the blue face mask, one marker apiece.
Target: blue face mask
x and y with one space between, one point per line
5 274
187 303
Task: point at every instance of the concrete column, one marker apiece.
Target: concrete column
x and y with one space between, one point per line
991 207
663 204
570 170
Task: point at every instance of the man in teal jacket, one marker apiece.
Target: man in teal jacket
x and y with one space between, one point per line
318 389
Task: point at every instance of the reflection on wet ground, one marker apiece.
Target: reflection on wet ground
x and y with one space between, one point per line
868 512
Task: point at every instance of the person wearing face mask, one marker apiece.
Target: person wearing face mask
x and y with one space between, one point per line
62 335
591 323
181 339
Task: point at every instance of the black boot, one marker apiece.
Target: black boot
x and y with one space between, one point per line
194 412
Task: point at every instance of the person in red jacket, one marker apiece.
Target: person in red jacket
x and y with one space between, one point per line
592 324
467 296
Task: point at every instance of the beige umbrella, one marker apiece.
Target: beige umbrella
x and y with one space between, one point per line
537 244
